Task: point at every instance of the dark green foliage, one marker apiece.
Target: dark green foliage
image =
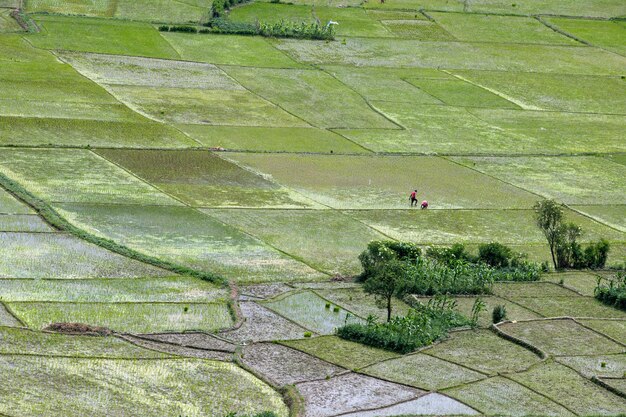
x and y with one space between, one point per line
478 307
58 222
450 255
422 326
222 25
495 254
219 7
184 29
613 291
379 252
596 254
385 282
498 314
295 30
549 217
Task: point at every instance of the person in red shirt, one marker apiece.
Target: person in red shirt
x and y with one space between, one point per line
413 198
424 205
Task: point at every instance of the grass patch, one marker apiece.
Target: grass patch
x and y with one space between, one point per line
229 50
317 101
127 317
384 182
7 23
572 390
60 256
309 310
461 93
572 180
213 107
604 34
204 179
610 215
501 396
562 337
423 371
612 328
570 307
333 240
10 205
271 139
583 282
501 29
23 223
102 36
341 352
485 352
158 290
422 30
190 387
362 304
62 175
531 289
612 366
28 342
592 8
187 237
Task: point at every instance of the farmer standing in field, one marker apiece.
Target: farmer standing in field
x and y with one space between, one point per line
413 198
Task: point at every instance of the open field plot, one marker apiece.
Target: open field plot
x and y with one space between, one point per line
190 387
531 289
573 180
615 329
28 342
501 396
16 50
561 337
7 23
464 306
361 303
571 390
484 351
310 311
148 317
190 238
162 289
74 90
347 393
101 35
502 29
60 256
23 223
423 371
559 92
364 182
8 319
470 226
429 404
375 52
583 282
349 355
10 205
325 239
422 30
387 84
263 325
200 178
352 21
194 106
229 50
63 175
591 8
617 383
608 35
329 3
97 8
35 131
271 139
614 216
284 366
461 93
149 72
549 132
570 307
612 366
438 129
417 5
311 95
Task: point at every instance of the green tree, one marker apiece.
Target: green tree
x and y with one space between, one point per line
384 283
549 218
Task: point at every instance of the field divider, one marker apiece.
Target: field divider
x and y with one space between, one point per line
575 320
608 387
539 393
54 219
560 31
534 349
12 314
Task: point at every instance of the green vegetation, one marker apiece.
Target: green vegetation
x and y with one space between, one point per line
423 325
612 291
604 34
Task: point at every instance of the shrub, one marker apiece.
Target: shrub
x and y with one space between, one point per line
451 255
422 326
613 292
185 29
379 252
302 30
495 254
308 334
498 314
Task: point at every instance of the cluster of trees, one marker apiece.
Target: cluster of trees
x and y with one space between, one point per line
612 291
563 237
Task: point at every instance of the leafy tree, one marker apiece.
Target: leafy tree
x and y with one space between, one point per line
384 283
495 254
549 217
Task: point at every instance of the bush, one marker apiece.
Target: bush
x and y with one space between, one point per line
380 252
613 292
300 30
495 254
451 255
422 326
498 314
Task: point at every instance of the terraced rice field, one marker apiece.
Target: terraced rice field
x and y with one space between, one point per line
181 214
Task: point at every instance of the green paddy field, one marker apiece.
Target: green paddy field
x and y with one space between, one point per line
204 199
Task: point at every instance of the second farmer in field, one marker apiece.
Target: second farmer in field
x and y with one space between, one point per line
413 198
